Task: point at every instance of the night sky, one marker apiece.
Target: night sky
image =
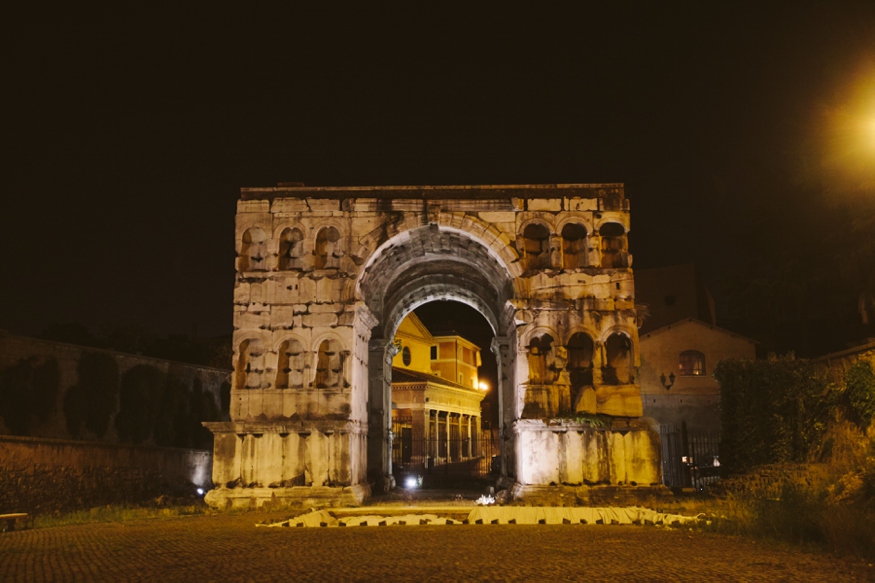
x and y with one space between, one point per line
128 134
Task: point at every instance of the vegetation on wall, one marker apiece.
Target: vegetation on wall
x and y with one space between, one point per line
142 388
859 394
778 410
771 410
161 407
28 393
90 403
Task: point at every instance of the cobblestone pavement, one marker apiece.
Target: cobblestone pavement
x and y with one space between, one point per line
229 547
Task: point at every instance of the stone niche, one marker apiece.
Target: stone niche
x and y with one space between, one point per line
326 275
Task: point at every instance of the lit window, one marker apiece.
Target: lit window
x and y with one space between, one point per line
692 362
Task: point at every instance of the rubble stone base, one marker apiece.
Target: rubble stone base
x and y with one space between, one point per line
296 496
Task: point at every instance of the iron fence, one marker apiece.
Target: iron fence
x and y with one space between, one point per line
690 459
438 461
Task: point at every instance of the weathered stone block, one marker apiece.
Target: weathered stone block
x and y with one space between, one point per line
281 317
545 204
320 320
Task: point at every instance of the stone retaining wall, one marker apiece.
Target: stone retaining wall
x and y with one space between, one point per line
46 475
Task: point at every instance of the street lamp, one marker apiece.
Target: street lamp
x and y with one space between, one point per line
668 385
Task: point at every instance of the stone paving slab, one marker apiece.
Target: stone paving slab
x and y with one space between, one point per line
229 547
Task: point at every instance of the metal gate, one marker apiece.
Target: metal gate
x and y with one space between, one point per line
432 462
690 459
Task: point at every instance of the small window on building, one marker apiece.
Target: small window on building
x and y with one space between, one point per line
405 356
692 362
434 352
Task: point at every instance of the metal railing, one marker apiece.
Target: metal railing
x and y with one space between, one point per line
436 461
690 459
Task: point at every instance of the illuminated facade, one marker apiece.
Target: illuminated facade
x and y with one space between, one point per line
435 397
325 277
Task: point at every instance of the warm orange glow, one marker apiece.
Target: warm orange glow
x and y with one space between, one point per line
870 130
483 386
849 132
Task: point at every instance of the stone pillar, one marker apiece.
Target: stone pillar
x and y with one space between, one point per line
449 452
475 436
380 353
598 361
436 438
501 347
469 450
419 432
556 251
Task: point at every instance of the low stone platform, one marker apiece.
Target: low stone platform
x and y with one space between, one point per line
450 515
296 496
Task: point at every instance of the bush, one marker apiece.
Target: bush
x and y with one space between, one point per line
860 393
771 410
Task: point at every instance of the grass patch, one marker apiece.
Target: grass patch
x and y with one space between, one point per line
120 513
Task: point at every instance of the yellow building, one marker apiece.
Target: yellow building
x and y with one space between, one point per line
435 397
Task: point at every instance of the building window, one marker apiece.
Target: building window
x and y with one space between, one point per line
434 352
692 362
405 356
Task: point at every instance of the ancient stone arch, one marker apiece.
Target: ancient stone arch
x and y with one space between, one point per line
320 426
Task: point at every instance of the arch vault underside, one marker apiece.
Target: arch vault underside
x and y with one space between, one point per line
326 275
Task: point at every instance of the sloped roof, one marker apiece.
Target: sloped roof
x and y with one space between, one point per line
413 320
698 322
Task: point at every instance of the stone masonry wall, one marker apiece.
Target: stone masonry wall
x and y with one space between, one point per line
65 360
42 476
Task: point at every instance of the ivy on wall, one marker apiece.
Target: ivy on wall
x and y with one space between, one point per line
159 406
777 410
90 403
28 393
859 396
142 389
771 410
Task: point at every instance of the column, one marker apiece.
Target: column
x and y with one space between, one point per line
448 437
436 441
470 449
501 347
380 353
419 435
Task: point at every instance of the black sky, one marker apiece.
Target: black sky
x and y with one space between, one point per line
128 133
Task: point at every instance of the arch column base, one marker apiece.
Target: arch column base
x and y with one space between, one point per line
582 456
293 497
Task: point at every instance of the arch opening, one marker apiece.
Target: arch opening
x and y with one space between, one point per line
426 265
444 399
